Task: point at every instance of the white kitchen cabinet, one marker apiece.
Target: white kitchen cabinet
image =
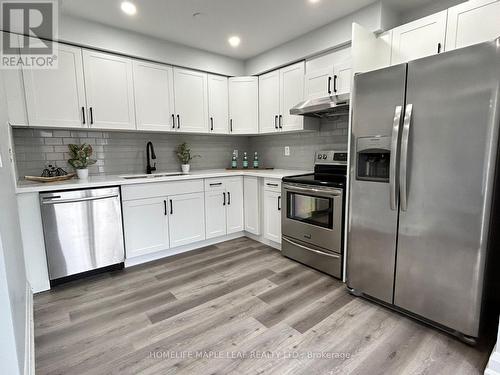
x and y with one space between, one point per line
56 97
145 225
251 204
279 91
244 105
269 102
272 215
234 207
109 89
215 213
420 38
472 22
342 77
291 93
318 82
224 206
186 218
154 96
191 100
218 104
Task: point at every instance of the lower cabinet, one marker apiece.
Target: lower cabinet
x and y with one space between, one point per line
272 215
145 223
224 206
156 217
186 219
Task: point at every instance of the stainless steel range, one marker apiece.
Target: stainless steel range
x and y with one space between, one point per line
313 214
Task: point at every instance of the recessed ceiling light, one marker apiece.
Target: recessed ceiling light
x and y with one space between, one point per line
234 41
314 1
129 8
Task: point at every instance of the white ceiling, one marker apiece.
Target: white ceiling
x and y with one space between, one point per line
261 24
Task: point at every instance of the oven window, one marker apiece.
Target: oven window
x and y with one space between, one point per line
310 209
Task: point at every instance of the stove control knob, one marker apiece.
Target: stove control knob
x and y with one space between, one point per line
319 156
324 156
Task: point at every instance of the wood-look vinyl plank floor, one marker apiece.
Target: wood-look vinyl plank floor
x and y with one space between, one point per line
237 307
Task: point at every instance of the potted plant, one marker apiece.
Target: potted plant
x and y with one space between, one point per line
184 155
80 159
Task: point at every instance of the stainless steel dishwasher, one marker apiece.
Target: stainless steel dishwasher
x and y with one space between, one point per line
83 231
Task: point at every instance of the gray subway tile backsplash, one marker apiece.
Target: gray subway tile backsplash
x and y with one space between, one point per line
125 152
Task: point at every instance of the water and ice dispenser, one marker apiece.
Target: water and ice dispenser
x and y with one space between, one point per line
373 156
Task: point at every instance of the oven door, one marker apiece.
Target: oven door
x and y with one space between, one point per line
313 214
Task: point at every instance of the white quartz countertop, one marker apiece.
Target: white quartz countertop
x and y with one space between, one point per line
24 186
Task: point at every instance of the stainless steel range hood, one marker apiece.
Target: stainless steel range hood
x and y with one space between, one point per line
329 106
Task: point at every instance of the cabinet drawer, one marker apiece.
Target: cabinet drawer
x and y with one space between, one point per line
212 184
272 184
161 189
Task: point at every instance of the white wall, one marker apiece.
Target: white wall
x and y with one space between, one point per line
12 271
333 35
95 35
426 10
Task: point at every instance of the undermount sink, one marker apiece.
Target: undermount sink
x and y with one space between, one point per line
155 175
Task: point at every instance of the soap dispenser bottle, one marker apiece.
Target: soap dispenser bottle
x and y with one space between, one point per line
245 160
234 161
255 160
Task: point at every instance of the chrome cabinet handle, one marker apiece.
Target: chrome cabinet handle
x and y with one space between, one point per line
404 158
309 249
393 184
76 200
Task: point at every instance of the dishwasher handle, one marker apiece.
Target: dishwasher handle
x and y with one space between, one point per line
56 200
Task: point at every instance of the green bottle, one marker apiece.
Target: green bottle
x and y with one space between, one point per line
234 161
255 160
245 160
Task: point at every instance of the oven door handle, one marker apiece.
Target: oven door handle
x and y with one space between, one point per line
333 192
309 249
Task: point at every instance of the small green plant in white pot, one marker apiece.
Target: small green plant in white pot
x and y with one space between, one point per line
184 154
80 159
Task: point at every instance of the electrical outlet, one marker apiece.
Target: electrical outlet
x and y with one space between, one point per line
287 150
235 152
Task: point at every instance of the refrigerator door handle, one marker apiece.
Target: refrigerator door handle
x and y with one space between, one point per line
404 157
393 183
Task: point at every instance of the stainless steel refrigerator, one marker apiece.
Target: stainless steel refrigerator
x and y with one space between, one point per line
424 153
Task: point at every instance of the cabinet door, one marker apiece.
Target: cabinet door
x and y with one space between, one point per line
292 92
474 21
186 218
244 105
420 38
110 90
56 97
154 96
272 216
234 207
342 78
269 102
145 224
215 213
251 204
191 103
218 104
319 83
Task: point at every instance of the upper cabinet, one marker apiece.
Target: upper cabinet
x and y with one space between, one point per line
243 105
279 91
218 104
329 74
110 90
191 100
154 96
472 22
56 97
269 102
291 94
420 38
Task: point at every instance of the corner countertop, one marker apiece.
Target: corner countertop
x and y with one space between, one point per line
24 186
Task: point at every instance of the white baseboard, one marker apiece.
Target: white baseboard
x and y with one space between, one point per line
181 249
493 367
29 351
264 240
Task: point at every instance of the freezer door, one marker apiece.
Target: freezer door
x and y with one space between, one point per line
446 185
378 101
